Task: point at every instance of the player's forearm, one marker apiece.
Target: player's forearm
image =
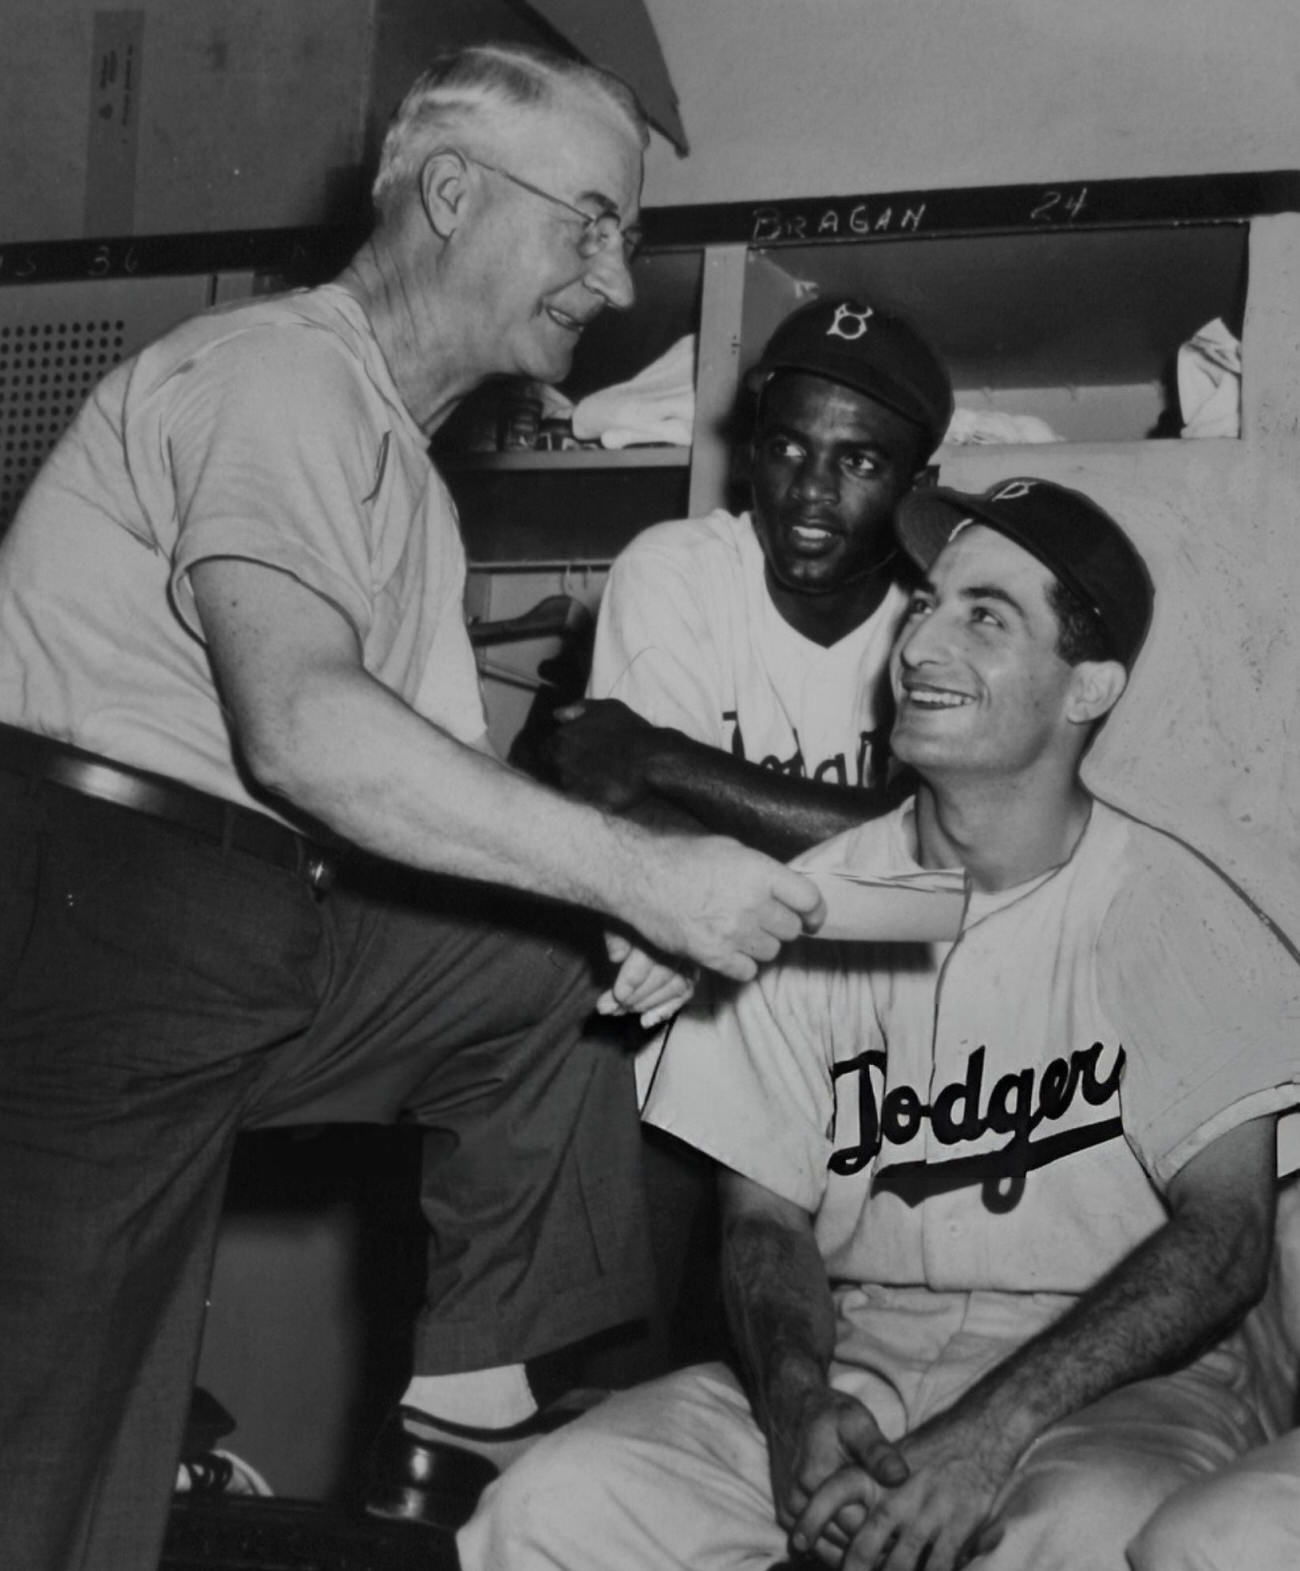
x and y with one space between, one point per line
780 1312
1171 1298
780 814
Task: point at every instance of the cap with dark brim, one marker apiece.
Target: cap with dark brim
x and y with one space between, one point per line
1077 540
876 351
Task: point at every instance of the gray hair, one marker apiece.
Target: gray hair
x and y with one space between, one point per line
467 86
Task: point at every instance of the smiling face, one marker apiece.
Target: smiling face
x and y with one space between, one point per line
536 291
828 467
979 683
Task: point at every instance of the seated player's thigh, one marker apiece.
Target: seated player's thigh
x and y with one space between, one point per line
670 1474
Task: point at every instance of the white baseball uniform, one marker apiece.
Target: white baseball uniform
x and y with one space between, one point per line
688 637
980 1130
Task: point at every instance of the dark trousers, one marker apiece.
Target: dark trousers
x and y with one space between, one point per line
158 995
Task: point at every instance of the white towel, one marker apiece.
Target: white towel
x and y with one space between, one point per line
656 406
1209 382
978 427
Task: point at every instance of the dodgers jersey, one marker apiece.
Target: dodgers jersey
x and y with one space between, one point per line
1004 1111
688 637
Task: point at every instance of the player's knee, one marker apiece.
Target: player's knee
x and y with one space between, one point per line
1170 1541
1234 1521
547 1501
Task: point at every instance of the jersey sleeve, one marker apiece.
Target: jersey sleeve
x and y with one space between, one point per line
269 444
1207 997
746 1073
655 648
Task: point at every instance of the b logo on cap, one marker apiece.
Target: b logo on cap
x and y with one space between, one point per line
856 319
1013 491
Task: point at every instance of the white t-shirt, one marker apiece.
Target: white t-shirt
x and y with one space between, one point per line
270 431
688 637
1006 1111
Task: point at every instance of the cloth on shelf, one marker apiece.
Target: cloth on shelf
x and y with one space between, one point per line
991 427
656 406
1209 382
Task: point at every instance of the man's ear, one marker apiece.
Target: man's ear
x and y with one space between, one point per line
444 190
1096 687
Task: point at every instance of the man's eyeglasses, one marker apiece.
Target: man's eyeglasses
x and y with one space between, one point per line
599 230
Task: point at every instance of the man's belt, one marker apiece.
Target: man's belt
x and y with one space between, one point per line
224 823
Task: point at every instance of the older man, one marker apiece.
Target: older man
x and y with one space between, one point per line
237 692
994 1198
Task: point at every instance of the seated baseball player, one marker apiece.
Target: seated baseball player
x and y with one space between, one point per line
738 671
738 678
994 1202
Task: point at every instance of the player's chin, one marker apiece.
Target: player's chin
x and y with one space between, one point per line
914 744
811 573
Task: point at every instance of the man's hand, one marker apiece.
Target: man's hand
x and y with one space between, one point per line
937 1518
830 1468
599 750
721 905
646 984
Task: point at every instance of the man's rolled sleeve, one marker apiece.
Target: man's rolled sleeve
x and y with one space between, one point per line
272 458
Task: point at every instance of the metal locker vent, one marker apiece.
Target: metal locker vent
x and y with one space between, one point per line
46 371
56 341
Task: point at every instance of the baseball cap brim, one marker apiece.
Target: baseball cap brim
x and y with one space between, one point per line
1070 535
925 518
850 373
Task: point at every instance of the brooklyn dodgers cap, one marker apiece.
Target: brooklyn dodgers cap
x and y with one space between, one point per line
868 348
1065 530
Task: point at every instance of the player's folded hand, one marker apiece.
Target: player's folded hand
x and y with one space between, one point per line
830 1468
935 1520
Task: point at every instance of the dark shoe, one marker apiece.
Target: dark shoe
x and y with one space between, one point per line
414 1479
426 1469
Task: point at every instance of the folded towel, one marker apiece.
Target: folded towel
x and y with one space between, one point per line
978 427
1209 382
656 406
